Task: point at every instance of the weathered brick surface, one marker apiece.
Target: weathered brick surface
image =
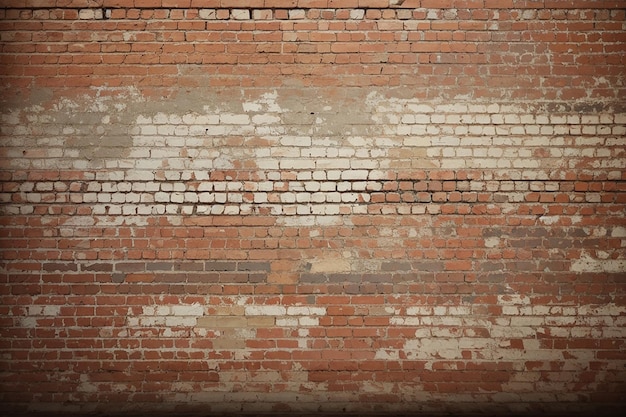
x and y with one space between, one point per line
312 206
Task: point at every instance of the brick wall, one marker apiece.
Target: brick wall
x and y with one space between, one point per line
313 206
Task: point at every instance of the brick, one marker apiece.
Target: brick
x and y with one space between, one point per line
263 197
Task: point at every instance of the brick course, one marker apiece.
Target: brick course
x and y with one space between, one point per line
312 206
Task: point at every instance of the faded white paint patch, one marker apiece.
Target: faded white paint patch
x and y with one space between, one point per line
549 220
50 311
387 354
492 242
306 311
444 348
586 263
330 265
618 231
188 310
513 299
610 309
265 310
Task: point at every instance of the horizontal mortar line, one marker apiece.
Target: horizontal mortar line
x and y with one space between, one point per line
616 181
336 7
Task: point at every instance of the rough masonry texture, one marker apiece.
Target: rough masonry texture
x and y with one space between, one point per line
313 206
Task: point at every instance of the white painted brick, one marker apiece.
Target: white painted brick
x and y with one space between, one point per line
303 197
408 119
265 119
181 131
349 197
333 197
104 198
587 119
177 197
303 141
240 14
497 119
359 186
344 186
118 198
365 163
318 198
357 14
475 130
532 129
527 119
333 163
260 197
287 322
297 164
403 130
303 210
619 130
296 186
265 310
217 210
589 130
446 141
133 198
419 311
304 175
354 175
312 186
288 197
90 14
180 321
174 119
231 210
517 130
573 119
234 119
308 321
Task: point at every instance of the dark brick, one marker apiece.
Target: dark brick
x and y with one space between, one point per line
118 278
99 267
257 278
159 266
189 266
428 266
233 277
253 266
558 243
395 266
492 232
491 266
374 277
130 266
220 266
315 278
